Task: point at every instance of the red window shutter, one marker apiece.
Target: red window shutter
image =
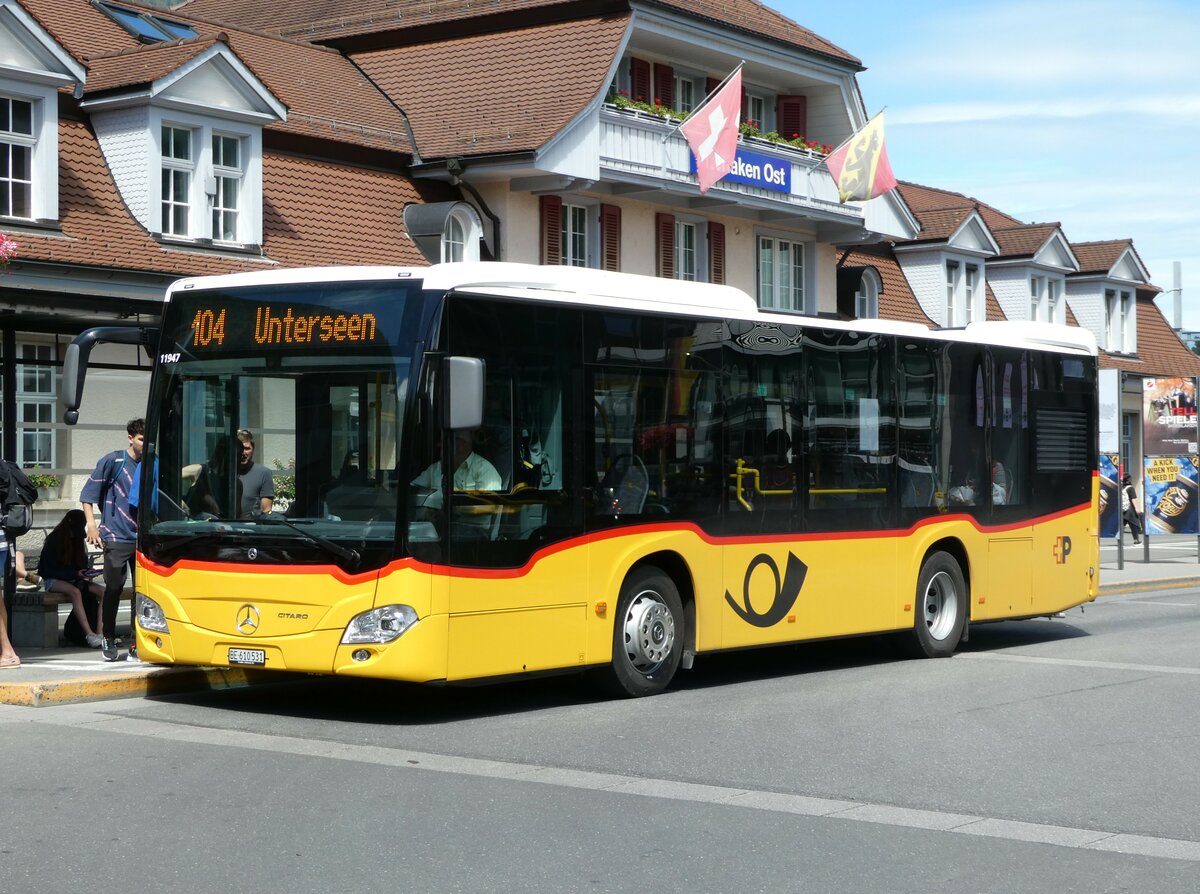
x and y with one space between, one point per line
610 237
639 80
791 116
664 85
664 226
716 253
551 213
711 84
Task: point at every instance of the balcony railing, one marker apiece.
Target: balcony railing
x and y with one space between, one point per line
632 147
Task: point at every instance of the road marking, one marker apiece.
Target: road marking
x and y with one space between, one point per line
635 786
1081 662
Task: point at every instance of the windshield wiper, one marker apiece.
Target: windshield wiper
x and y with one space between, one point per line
350 555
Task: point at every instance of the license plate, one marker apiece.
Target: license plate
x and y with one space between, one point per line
247 656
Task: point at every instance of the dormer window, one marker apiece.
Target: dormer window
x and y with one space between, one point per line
177 170
16 157
1118 321
1045 299
146 27
963 293
227 174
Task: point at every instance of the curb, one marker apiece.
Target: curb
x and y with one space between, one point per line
1142 586
158 681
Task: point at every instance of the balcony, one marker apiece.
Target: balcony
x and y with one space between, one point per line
772 180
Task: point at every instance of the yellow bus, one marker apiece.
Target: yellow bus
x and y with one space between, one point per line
491 470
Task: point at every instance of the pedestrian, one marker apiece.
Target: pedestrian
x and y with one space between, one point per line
258 484
1129 511
114 530
8 658
62 565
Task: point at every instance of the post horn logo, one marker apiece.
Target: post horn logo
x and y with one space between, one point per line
247 619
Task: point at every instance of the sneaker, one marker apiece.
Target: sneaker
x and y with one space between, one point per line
109 650
132 654
95 641
33 578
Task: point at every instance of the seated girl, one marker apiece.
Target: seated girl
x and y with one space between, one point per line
62 566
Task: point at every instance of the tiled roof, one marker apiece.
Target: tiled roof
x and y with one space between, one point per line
1159 353
992 310
331 19
141 65
313 213
1099 257
324 212
326 96
939 224
81 28
535 80
896 298
1023 241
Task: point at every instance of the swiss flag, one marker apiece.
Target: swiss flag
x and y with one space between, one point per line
712 132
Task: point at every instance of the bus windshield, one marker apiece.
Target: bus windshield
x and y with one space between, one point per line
275 422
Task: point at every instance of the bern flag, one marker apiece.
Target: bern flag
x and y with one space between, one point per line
860 166
712 132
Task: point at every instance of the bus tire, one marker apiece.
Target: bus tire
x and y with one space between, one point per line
648 633
941 608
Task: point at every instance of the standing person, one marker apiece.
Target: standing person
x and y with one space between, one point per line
62 566
109 488
258 484
8 658
1129 510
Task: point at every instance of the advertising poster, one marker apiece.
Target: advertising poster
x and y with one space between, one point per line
1171 491
1110 495
1169 417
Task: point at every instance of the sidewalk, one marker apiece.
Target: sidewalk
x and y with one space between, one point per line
70 674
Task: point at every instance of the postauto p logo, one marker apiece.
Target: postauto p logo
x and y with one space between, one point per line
1062 549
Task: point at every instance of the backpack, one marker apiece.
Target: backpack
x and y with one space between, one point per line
17 496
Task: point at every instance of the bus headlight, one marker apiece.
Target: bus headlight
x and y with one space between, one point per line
379 625
149 614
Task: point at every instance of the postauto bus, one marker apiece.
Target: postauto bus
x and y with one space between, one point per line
494 470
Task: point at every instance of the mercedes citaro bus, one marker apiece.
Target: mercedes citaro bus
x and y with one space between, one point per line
493 470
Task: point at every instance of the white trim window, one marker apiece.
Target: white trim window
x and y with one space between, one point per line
17 143
575 236
36 403
687 257
228 171
461 235
684 99
178 169
866 298
1118 321
756 111
1045 299
781 274
963 293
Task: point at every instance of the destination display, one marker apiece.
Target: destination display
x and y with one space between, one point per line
242 325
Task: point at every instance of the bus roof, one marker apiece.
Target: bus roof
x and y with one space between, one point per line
631 291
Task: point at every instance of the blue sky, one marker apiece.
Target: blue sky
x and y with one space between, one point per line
1085 112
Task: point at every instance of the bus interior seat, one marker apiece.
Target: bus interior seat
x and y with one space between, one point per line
625 487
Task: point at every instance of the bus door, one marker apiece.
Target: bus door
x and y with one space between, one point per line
764 562
1010 544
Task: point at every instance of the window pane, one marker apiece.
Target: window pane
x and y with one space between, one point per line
21 162
6 114
20 200
766 272
22 117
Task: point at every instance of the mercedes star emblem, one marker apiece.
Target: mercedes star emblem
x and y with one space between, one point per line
247 619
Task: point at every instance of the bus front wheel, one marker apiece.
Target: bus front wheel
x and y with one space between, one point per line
647 634
941 608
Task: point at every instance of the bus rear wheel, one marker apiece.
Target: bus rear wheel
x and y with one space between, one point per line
647 634
941 608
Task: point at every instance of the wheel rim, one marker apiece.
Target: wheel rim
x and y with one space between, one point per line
649 632
940 605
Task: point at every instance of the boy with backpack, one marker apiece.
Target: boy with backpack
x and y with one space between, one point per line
109 487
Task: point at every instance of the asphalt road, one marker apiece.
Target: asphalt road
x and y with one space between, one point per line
1050 756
